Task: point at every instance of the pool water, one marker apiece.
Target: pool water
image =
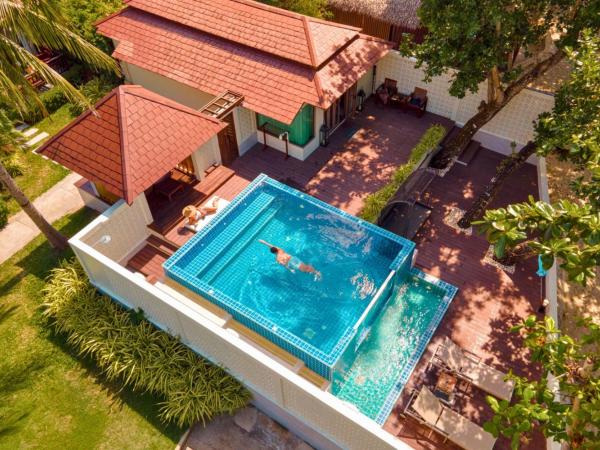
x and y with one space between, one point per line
394 345
351 262
228 264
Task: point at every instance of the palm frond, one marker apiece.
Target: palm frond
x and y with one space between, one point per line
41 24
14 59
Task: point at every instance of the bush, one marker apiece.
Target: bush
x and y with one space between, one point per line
3 214
74 74
13 165
94 90
375 202
52 99
127 347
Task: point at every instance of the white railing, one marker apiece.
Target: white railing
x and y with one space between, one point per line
318 409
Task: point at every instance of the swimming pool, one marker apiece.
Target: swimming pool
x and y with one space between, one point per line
321 322
396 342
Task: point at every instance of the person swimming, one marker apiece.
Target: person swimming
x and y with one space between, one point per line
290 262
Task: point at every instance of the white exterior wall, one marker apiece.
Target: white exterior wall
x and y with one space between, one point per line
513 124
127 227
206 156
179 92
302 401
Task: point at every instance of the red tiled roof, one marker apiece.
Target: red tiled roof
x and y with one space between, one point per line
256 25
271 84
132 140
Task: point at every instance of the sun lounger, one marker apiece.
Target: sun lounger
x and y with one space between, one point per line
469 367
428 410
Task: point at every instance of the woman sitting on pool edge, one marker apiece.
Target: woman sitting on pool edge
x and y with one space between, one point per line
291 262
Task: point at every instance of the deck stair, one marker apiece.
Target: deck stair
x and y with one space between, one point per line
162 245
469 153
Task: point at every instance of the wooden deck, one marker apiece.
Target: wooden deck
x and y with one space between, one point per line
358 161
489 300
167 213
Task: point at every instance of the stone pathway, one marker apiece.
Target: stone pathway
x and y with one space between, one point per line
61 199
249 429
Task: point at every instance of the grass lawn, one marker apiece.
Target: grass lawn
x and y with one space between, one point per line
55 121
39 174
49 397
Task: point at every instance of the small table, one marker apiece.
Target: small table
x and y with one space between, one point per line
445 386
399 99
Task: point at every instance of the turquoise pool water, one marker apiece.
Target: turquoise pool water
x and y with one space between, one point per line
314 319
394 345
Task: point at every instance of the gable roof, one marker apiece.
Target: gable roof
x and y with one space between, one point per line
286 34
278 60
131 140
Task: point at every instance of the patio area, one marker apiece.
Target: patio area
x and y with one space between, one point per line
358 161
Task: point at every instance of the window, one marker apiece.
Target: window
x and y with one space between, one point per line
301 131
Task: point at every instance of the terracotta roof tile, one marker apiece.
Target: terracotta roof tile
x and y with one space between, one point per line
271 84
133 139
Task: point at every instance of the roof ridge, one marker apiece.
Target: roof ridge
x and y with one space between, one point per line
273 9
76 121
309 40
171 103
122 135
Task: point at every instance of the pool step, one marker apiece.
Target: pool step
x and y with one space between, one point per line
249 236
223 240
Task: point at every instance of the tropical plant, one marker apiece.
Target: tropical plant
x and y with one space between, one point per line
83 14
570 415
127 347
479 43
40 24
571 130
93 91
375 202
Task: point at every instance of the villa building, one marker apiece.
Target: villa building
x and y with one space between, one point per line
219 93
292 74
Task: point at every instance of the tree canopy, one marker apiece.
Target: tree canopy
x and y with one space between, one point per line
567 230
573 415
499 45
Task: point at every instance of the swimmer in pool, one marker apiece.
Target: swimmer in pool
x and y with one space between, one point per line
291 262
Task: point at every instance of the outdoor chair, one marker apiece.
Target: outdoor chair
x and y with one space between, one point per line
469 367
429 411
386 90
417 101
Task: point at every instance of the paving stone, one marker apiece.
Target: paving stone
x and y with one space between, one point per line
30 132
246 419
37 139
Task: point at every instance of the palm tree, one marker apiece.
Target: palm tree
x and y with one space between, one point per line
39 23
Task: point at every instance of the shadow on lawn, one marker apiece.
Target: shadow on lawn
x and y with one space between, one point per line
38 259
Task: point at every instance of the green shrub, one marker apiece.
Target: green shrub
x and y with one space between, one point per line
52 99
3 214
74 74
129 348
375 202
13 165
94 90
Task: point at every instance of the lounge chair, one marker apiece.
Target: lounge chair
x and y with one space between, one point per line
469 367
428 410
386 90
417 101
